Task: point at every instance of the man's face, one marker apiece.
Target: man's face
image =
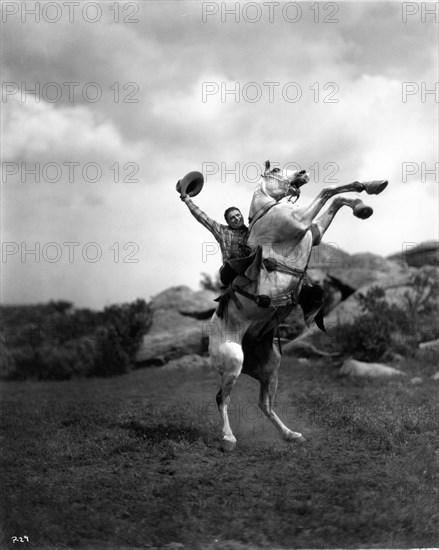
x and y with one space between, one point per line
235 219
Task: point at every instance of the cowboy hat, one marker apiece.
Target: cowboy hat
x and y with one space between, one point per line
191 184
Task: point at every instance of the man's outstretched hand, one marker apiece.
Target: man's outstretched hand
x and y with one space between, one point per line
184 197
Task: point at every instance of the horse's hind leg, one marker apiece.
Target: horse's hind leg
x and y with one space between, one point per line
262 361
231 364
227 357
268 387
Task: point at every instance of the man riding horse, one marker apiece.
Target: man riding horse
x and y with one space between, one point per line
269 285
232 239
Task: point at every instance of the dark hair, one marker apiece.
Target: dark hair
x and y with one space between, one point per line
230 209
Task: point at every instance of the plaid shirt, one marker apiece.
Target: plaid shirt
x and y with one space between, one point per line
229 239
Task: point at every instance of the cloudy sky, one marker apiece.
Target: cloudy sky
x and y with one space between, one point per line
128 97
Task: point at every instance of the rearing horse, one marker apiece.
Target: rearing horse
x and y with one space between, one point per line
241 339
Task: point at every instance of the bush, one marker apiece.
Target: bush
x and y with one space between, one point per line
22 364
110 357
373 333
7 362
209 282
54 342
130 322
61 363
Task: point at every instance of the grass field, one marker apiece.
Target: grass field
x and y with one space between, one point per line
134 462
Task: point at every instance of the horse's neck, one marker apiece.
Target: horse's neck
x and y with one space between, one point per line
260 200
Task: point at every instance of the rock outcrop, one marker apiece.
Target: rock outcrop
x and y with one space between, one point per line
352 367
418 255
178 325
181 315
396 284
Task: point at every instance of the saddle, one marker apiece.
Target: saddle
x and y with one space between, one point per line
247 266
243 271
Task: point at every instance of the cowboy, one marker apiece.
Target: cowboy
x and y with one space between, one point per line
231 237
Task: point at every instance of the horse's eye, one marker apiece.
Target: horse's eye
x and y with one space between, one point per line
276 170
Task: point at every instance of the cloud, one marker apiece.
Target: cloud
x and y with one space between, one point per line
368 134
39 131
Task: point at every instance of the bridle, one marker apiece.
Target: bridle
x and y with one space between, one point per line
288 298
264 209
283 180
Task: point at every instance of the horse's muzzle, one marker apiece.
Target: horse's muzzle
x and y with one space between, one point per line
301 178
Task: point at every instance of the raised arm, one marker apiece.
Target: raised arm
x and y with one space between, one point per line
213 226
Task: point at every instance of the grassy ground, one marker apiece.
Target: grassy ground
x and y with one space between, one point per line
134 461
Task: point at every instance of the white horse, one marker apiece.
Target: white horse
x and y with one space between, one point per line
241 332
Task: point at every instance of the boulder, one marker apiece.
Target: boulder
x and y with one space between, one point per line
198 304
353 271
431 345
177 327
158 349
395 285
352 367
342 274
192 361
418 255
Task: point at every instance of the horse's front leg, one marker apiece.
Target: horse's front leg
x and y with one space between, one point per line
360 210
309 212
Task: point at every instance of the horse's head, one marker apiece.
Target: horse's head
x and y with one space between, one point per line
279 183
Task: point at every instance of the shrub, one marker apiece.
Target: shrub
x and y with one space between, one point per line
209 282
373 333
22 364
54 342
131 322
7 362
110 357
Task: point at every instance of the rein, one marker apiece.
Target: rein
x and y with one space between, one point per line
259 214
270 264
264 209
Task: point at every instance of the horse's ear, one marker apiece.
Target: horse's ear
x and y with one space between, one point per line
267 165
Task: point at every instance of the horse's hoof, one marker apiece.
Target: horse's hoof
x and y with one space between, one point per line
228 445
295 437
362 211
375 187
